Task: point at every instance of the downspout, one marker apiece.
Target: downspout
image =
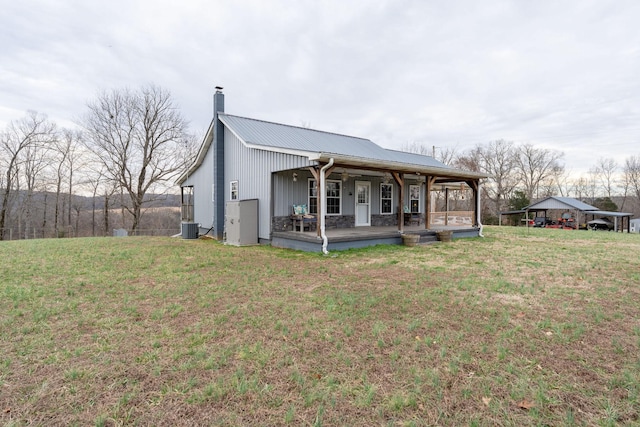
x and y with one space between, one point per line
478 214
323 206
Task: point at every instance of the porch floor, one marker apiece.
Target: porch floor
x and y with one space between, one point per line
357 237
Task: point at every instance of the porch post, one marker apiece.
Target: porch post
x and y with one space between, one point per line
400 181
475 186
446 206
476 192
316 176
428 205
322 193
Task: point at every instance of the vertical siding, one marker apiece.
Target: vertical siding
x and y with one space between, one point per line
253 170
287 192
202 182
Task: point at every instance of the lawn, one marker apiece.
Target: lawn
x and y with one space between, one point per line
523 327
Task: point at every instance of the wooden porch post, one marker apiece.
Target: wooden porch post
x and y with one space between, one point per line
475 186
428 205
400 181
316 176
322 192
446 206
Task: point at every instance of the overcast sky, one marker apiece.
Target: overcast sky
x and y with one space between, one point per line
557 74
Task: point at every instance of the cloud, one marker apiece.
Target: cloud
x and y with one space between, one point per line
437 73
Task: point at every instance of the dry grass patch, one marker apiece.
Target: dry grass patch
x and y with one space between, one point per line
533 327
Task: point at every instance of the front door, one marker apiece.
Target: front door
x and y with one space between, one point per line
363 203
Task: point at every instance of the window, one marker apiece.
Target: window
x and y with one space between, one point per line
414 198
386 196
234 190
313 197
334 196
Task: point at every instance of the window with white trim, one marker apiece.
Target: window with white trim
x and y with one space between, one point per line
333 196
414 198
233 190
312 194
386 198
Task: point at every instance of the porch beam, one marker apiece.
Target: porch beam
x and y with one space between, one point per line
314 172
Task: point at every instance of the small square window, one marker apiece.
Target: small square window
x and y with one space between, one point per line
234 190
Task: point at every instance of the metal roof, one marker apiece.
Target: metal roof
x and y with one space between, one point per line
275 135
321 146
554 202
610 213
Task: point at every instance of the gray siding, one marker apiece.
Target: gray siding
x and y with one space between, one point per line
287 192
202 182
253 169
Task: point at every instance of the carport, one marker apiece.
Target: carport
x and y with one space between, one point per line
615 215
568 204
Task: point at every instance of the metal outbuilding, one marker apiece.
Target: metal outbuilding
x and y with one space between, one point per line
575 207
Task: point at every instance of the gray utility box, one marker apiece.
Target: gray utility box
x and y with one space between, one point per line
241 222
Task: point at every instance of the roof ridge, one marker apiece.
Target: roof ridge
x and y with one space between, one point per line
298 127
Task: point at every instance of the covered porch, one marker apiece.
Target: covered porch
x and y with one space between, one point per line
354 203
359 237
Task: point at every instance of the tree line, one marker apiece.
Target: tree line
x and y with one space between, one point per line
522 173
130 145
122 158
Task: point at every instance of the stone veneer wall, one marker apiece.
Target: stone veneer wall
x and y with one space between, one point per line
281 223
383 220
284 223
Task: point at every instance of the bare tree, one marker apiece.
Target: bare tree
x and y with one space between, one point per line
562 181
34 160
20 137
446 155
605 172
535 165
591 184
631 174
136 136
66 158
580 188
496 159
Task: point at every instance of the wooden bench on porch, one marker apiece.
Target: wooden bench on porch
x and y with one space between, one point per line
411 218
301 219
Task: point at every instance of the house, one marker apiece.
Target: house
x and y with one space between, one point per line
368 194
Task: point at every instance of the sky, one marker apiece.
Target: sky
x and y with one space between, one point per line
560 75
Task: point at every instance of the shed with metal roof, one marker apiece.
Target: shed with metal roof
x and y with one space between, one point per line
575 208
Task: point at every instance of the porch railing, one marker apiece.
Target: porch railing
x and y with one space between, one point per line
451 218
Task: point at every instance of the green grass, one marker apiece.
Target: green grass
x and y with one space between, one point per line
523 327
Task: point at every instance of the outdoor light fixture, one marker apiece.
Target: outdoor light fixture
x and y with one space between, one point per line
295 176
345 176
